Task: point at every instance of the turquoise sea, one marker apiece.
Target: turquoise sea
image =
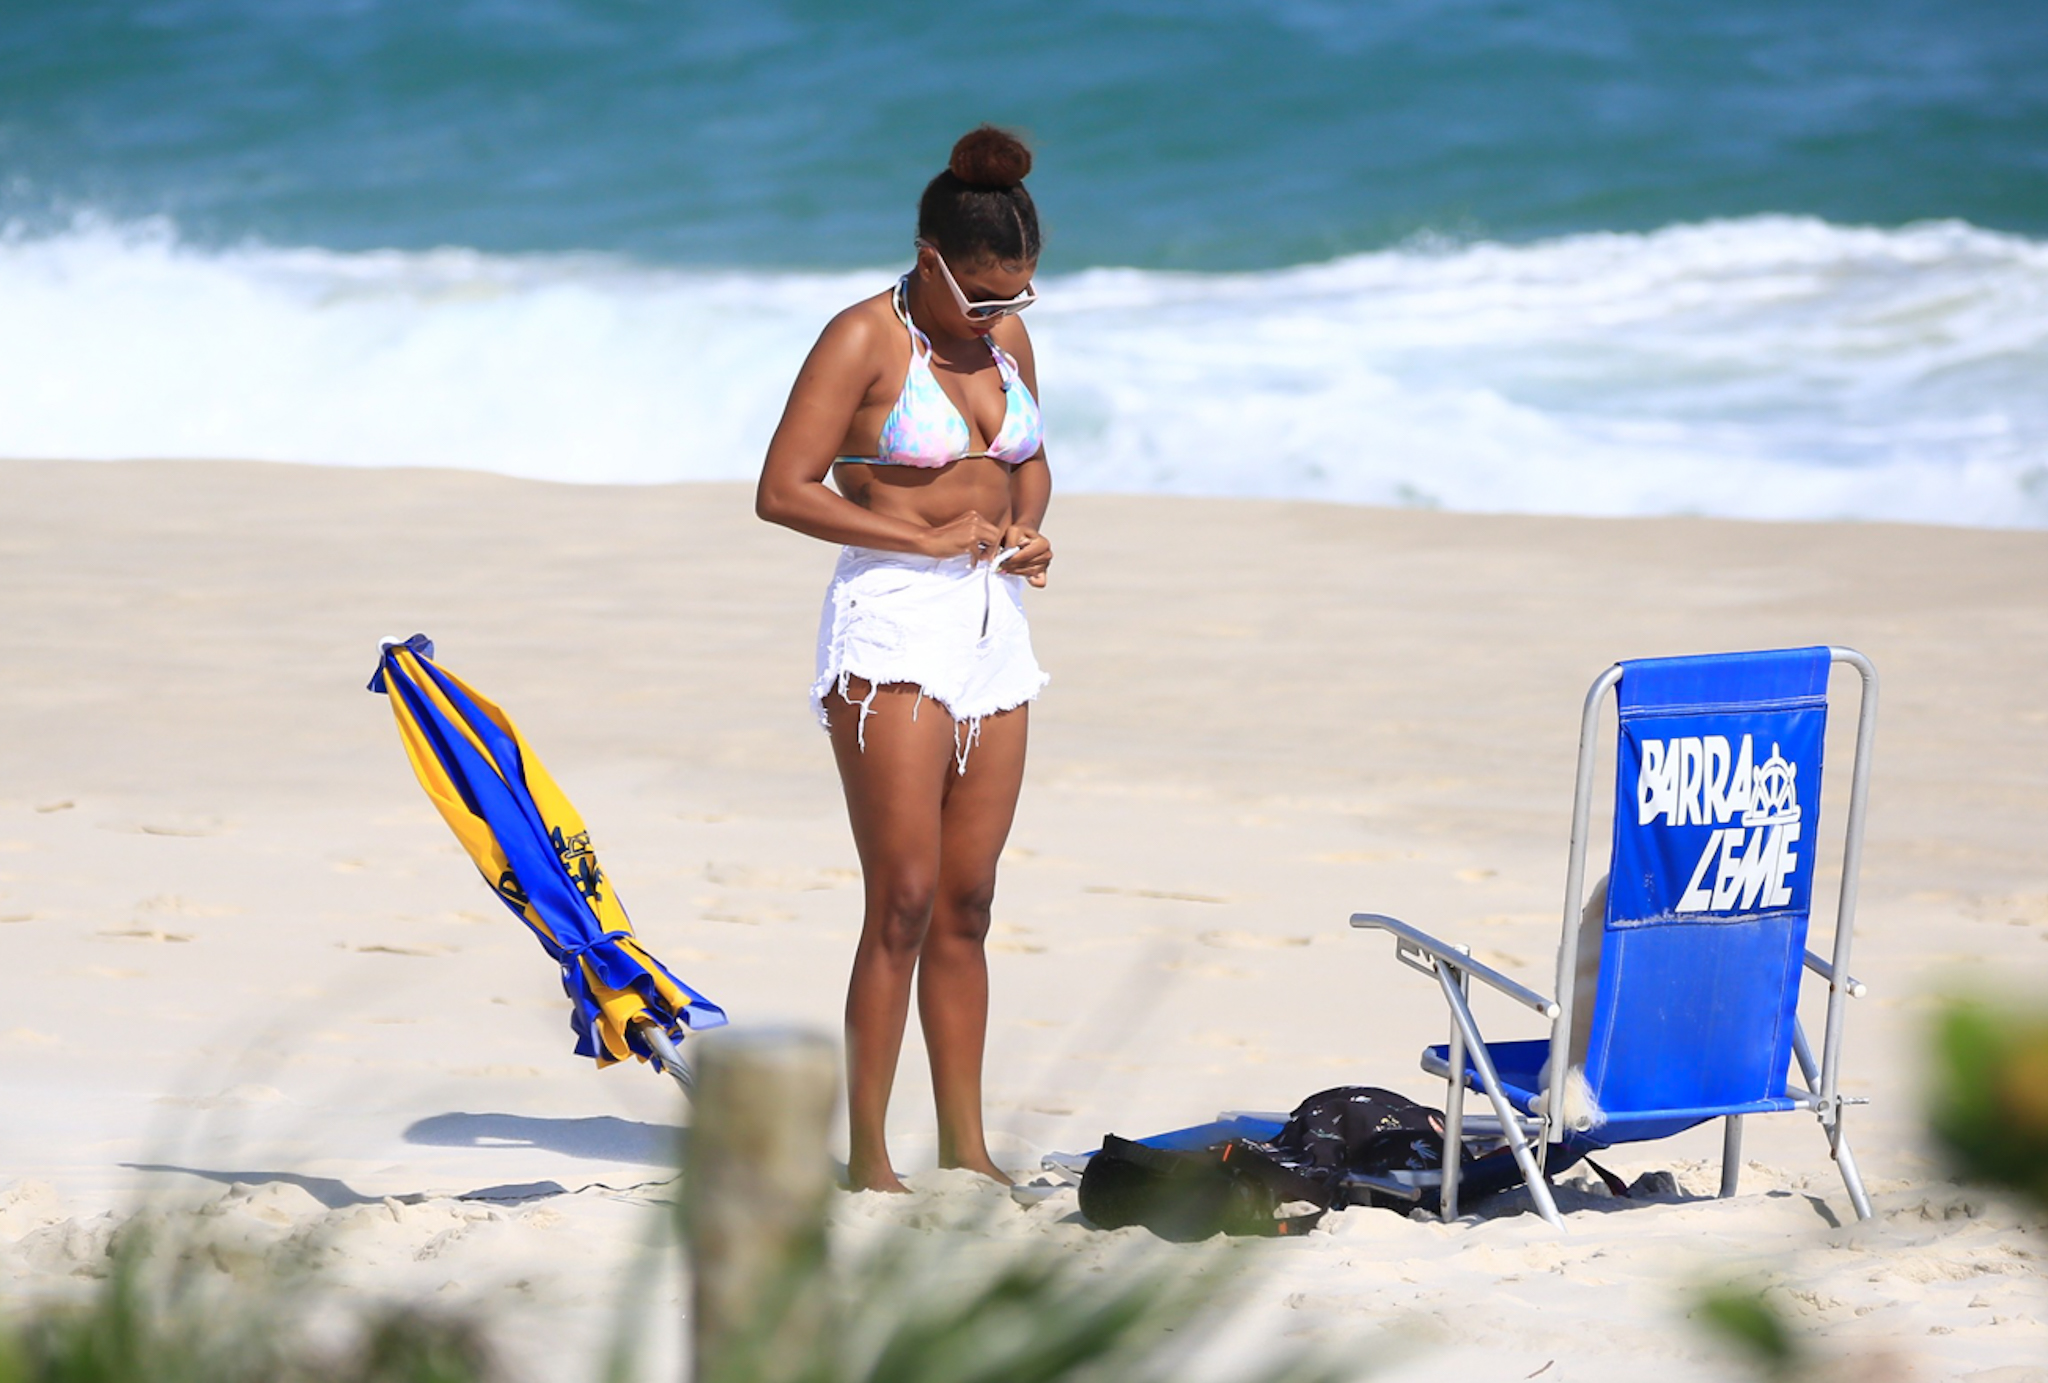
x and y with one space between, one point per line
1751 258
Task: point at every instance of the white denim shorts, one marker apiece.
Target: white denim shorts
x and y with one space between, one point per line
953 626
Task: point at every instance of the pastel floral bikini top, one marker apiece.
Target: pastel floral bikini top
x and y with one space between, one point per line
925 429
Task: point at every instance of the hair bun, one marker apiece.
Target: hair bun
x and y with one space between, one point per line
989 157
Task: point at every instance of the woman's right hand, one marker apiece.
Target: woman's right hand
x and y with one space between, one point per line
970 535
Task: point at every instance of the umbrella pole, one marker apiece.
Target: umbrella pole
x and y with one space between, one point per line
671 1059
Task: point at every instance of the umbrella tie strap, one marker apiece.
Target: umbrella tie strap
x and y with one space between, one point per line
572 954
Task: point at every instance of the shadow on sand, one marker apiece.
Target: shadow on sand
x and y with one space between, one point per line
601 1138
336 1194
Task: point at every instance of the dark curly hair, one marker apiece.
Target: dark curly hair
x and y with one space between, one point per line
978 208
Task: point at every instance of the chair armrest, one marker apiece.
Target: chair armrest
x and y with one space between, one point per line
1412 940
1851 986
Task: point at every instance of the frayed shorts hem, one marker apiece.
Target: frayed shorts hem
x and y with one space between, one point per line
952 628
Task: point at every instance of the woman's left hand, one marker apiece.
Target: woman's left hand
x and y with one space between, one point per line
1034 553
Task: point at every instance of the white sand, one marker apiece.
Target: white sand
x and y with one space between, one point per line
244 959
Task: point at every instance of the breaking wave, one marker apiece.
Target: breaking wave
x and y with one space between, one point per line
1767 367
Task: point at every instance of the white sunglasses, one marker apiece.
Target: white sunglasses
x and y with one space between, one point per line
982 311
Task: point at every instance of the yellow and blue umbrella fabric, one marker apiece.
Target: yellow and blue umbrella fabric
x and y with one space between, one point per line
532 849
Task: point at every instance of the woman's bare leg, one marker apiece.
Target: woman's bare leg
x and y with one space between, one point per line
952 972
895 796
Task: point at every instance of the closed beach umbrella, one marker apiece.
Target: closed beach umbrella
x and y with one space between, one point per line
533 851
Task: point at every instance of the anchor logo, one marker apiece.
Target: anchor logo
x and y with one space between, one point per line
1771 793
1751 857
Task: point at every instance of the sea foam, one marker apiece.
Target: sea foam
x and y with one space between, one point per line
1767 367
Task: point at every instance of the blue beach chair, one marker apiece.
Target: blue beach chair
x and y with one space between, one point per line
1678 983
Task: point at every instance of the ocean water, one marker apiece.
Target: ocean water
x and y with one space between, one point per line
1747 259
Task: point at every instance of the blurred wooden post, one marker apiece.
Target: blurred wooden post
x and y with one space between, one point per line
755 1187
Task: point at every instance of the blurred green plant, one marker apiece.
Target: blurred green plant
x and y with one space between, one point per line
1987 1108
917 1310
957 1305
966 1302
161 1316
1989 1104
1745 1319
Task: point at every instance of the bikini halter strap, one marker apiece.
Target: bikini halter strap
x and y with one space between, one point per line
900 300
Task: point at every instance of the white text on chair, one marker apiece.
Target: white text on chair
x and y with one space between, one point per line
1702 781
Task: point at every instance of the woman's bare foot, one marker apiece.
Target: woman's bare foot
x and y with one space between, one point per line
985 1166
881 1178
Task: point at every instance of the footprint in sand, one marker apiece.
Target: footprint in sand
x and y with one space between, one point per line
171 825
1160 893
232 1097
1248 941
149 934
1206 971
747 917
779 880
2018 909
183 907
1008 939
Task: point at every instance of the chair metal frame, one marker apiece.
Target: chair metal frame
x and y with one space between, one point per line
1530 1134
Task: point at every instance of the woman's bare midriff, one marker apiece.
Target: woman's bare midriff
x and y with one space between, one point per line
930 497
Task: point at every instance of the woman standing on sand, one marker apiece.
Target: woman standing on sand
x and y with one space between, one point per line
921 403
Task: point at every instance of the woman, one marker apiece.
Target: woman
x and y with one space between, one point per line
921 404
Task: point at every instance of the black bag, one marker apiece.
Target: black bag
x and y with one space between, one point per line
1359 1128
1232 1188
